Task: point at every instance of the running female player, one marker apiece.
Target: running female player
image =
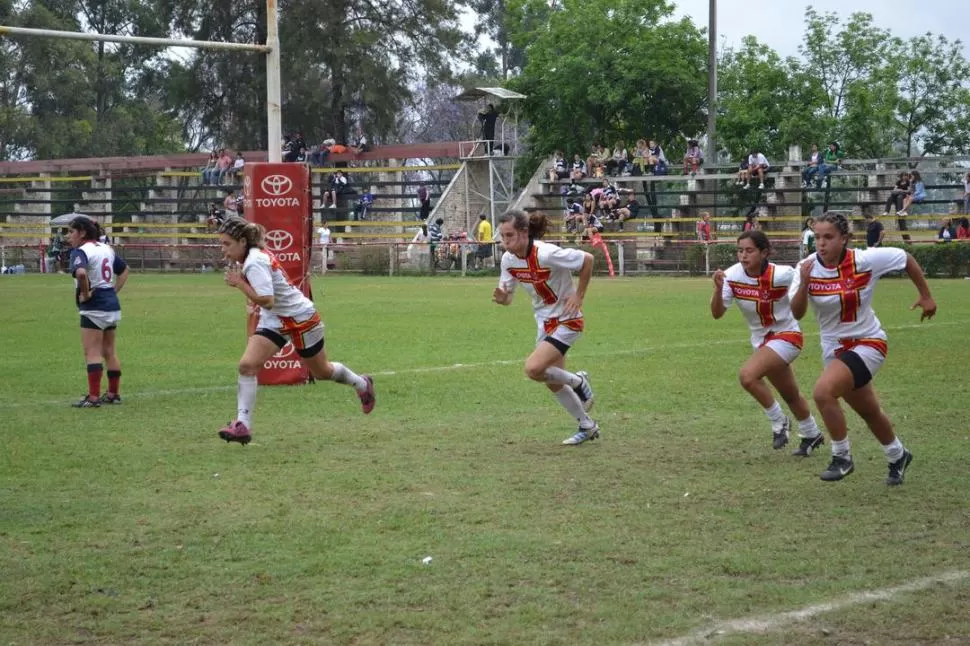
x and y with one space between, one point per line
839 282
545 271
284 314
760 288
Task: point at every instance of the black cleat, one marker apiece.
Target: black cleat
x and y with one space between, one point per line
110 398
897 469
87 402
780 438
808 445
584 391
839 468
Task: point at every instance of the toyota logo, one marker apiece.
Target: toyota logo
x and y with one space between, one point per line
278 240
286 351
276 185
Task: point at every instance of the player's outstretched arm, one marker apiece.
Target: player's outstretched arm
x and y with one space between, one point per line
925 300
799 300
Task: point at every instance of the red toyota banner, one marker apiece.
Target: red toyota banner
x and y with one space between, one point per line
277 196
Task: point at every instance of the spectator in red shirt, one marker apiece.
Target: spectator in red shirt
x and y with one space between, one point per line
963 231
224 164
704 228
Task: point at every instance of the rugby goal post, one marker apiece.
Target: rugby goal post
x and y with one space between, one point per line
271 49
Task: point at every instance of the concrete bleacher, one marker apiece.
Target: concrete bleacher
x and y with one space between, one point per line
672 204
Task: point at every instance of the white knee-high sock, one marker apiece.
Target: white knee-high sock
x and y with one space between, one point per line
808 428
344 375
776 415
894 450
245 398
570 401
559 376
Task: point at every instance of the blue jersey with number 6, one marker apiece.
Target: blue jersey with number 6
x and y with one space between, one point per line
101 264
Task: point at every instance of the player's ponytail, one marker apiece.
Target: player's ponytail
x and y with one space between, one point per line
535 224
538 225
240 229
86 226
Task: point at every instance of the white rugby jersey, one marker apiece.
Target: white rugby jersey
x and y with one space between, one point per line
546 274
763 300
266 275
842 295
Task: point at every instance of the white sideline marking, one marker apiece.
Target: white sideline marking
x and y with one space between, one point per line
461 366
771 623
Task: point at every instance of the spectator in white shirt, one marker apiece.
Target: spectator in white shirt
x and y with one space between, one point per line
323 233
757 167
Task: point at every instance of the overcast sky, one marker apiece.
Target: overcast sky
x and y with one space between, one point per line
780 24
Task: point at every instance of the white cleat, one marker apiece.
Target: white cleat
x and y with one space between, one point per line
583 435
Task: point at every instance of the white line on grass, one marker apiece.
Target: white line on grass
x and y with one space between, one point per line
771 623
462 366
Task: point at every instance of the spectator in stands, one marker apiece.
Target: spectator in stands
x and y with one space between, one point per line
290 148
757 167
578 169
234 174
629 211
302 155
963 231
231 203
742 177
596 162
898 194
751 222
693 158
215 217
830 163
641 156
966 194
875 232
435 235
210 172
808 238
487 118
364 203
558 169
916 195
424 202
573 215
617 162
608 197
360 144
319 153
223 165
483 235
946 232
336 186
54 252
704 233
811 166
657 162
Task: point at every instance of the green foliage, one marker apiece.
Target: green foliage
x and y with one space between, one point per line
602 70
722 255
941 260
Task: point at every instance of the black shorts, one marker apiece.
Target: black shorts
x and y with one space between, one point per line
484 251
559 345
860 373
281 341
562 174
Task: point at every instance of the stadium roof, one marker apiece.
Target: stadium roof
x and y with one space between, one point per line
475 93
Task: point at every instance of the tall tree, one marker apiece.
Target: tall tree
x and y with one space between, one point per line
934 102
494 18
607 69
767 103
14 108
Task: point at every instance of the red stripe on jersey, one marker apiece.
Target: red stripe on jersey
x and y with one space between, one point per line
536 276
877 344
764 294
847 284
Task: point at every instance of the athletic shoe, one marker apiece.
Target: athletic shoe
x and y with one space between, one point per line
110 398
584 391
761 185
236 432
780 437
839 468
897 469
746 187
583 435
901 213
367 398
808 445
87 402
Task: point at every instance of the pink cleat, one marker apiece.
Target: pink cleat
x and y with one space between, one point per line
367 398
236 432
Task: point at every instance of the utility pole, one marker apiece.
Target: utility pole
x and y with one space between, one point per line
711 155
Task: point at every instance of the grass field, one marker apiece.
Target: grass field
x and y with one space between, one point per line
137 525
